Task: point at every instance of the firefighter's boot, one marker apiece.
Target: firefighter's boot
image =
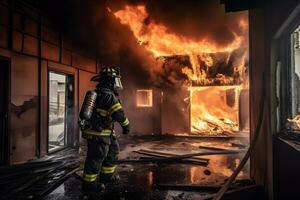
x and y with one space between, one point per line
92 191
109 179
91 196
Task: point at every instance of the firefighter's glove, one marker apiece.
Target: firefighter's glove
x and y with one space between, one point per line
126 129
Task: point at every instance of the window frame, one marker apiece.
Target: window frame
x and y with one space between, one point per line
286 77
149 91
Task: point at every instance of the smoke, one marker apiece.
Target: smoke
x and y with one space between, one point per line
94 29
193 19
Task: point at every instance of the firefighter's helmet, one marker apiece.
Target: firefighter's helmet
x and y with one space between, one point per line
109 75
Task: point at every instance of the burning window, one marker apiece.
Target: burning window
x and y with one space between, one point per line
144 98
293 122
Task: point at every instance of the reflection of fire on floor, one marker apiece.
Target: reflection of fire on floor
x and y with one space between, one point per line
141 180
218 169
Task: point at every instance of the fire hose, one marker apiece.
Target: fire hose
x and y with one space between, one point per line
253 142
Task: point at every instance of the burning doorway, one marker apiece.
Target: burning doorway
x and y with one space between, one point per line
202 78
214 110
218 110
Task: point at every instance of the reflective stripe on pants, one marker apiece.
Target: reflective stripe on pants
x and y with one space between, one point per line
89 177
108 170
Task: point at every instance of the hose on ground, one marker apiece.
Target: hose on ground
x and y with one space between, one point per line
253 142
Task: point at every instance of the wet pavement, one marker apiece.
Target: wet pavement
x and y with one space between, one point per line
138 181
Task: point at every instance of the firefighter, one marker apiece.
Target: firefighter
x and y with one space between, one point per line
102 145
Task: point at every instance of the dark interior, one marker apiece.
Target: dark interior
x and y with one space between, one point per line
4 89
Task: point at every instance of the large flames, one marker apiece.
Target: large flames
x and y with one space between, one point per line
156 38
212 115
214 109
294 124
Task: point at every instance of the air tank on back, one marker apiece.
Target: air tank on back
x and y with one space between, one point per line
87 107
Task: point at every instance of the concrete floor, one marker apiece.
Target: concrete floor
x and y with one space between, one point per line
138 181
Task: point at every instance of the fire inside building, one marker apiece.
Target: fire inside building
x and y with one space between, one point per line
147 100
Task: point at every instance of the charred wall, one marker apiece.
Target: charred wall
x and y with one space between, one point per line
35 43
95 25
34 46
143 120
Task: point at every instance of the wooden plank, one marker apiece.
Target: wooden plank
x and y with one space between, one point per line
184 156
202 154
57 183
183 161
164 154
159 160
195 188
212 148
181 157
241 146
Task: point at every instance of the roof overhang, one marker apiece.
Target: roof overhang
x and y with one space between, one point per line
240 5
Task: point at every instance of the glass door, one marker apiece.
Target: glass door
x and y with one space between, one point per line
57 111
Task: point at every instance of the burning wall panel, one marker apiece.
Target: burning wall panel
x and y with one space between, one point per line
219 70
144 120
175 112
244 110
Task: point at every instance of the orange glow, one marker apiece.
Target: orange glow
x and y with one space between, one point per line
219 167
144 98
150 178
161 42
214 110
294 123
210 112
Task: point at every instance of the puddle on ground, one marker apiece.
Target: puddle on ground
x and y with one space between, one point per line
220 167
138 181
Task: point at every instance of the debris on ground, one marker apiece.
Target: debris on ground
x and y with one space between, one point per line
37 178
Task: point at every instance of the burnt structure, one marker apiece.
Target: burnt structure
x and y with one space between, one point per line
45 73
31 48
272 25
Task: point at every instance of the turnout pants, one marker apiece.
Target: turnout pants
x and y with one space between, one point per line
100 163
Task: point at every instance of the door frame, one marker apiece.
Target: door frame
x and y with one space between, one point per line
65 69
60 72
6 148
